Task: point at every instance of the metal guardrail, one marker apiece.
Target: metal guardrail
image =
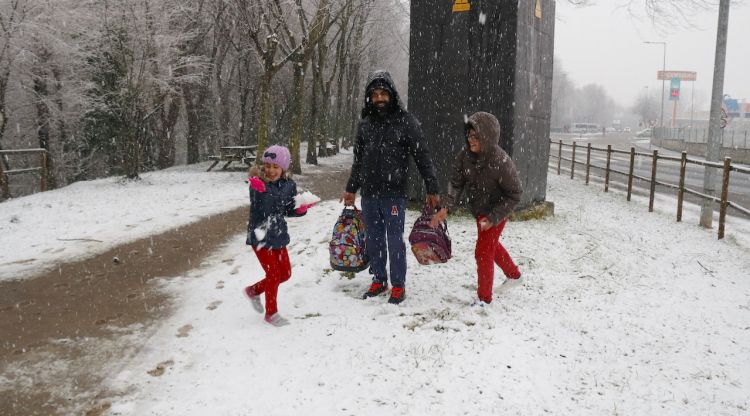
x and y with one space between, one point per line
42 169
726 167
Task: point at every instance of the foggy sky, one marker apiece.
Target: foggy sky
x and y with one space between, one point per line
603 44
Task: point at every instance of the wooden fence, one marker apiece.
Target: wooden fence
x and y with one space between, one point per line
726 167
5 174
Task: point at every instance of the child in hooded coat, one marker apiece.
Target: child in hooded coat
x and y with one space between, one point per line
488 177
272 193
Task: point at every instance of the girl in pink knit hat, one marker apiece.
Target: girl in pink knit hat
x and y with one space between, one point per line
272 198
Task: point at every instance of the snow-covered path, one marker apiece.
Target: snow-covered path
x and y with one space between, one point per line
624 312
39 231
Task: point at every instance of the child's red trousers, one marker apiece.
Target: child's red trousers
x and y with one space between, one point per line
278 270
489 252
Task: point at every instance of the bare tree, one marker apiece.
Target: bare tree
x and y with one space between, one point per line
311 34
266 26
562 96
646 108
12 17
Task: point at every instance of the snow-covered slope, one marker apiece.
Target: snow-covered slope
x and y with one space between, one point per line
623 312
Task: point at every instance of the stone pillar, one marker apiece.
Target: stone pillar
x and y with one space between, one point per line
495 57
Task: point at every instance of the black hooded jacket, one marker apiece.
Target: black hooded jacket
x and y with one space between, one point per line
383 145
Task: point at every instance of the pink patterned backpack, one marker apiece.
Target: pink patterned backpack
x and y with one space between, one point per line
430 245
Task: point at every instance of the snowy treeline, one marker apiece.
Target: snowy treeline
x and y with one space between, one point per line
587 104
117 87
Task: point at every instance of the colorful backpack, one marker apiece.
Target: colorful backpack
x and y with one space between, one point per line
430 245
347 246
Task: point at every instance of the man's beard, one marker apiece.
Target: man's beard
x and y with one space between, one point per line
382 107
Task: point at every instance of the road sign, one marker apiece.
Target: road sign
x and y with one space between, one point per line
683 75
674 89
461 6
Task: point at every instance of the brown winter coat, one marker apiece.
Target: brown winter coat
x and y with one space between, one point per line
489 178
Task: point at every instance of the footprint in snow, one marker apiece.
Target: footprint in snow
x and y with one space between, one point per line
184 331
161 368
220 284
213 305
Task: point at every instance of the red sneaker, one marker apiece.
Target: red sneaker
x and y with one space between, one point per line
375 289
398 294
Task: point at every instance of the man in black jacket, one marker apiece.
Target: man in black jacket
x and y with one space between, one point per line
386 136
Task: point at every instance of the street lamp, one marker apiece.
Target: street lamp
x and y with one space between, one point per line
663 69
647 109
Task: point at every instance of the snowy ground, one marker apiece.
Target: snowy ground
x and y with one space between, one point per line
624 312
87 218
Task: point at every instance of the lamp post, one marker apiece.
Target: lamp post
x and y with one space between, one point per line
663 69
647 107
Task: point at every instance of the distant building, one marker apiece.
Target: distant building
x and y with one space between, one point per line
745 110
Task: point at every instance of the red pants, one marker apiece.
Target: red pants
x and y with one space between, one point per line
275 262
489 252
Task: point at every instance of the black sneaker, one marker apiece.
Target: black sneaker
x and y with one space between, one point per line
375 289
398 294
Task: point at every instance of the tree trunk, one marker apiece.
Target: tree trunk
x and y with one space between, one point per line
62 132
244 92
312 140
193 121
353 79
265 113
341 55
43 120
166 147
298 114
3 113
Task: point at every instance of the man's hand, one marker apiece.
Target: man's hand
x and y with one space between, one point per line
439 217
433 200
485 224
347 198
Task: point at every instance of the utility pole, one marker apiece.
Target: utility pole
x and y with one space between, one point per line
713 145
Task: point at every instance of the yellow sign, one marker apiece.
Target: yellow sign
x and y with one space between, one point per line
461 6
538 9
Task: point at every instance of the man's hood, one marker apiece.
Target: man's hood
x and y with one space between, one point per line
381 79
487 128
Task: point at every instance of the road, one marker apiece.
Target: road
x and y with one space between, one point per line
667 171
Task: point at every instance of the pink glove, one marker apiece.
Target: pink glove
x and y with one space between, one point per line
303 208
257 184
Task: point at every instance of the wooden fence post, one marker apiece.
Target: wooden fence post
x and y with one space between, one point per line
573 162
724 196
630 172
653 182
44 172
681 189
4 189
588 162
606 171
559 157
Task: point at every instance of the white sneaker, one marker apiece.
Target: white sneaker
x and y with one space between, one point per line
277 320
254 300
478 303
511 283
